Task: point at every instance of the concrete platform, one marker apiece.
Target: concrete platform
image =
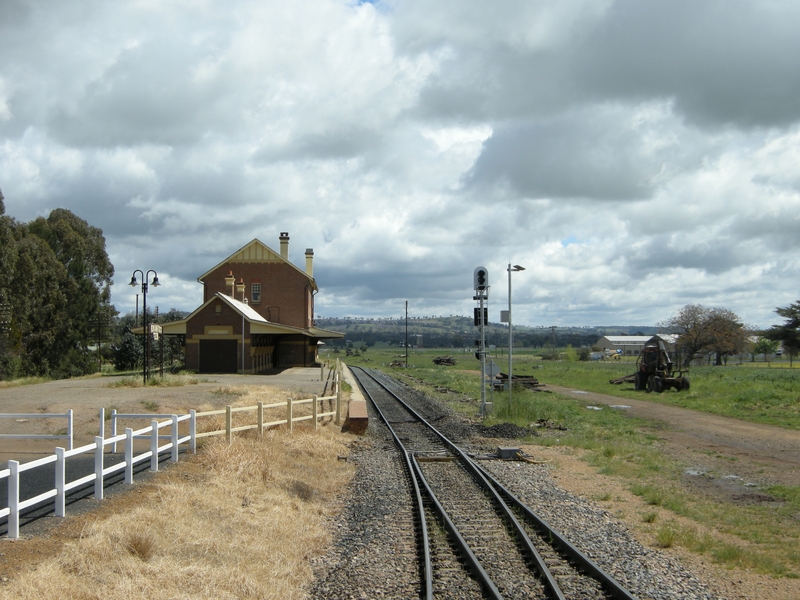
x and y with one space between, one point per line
357 418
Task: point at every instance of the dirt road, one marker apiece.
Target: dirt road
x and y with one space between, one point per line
86 396
741 453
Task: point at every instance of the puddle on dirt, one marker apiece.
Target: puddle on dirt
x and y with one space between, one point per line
731 488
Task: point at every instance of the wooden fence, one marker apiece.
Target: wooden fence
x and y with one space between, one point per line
151 433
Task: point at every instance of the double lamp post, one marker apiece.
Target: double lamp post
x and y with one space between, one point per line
145 330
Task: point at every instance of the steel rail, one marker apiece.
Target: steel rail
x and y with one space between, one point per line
583 562
426 550
522 537
533 555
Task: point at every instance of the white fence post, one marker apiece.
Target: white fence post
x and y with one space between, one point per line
128 455
260 420
228 423
114 429
289 414
193 431
13 499
154 446
102 428
315 412
69 428
338 400
174 457
60 480
98 468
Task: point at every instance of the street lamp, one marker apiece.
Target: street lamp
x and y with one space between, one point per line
510 332
134 283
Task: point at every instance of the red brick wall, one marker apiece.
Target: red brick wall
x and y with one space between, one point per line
209 316
282 286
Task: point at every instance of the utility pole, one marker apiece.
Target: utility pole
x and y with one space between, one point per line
406 334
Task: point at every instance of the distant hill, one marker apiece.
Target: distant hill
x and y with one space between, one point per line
460 332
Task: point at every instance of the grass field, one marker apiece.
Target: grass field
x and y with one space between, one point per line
758 392
762 537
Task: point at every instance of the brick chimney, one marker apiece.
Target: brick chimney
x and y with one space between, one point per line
310 262
284 238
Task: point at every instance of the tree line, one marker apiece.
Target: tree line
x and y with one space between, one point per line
55 280
718 333
56 318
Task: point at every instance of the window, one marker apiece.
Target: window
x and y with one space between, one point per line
255 292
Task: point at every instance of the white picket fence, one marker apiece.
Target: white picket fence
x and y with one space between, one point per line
151 432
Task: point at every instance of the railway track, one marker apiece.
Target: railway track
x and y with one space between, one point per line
475 539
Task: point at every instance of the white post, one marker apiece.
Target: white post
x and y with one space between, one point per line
260 420
315 412
154 446
174 456
289 414
228 424
338 400
98 468
114 429
60 475
129 456
193 431
69 428
102 429
13 499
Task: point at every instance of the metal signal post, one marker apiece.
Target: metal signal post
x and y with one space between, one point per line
481 284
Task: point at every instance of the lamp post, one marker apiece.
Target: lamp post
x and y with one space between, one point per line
134 283
510 332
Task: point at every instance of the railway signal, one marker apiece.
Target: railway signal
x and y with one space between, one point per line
480 283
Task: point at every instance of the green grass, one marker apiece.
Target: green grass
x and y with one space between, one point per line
621 446
752 392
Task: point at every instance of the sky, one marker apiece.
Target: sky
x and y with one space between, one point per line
634 157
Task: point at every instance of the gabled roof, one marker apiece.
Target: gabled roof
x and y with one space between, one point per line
258 324
256 251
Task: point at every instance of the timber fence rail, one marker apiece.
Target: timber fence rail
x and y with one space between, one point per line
152 433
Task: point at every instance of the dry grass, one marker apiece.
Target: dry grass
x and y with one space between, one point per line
237 521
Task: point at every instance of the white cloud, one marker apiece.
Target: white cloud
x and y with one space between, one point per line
634 157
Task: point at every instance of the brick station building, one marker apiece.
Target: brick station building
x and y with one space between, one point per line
257 314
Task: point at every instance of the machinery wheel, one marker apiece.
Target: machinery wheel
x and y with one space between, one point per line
658 384
638 383
685 383
650 384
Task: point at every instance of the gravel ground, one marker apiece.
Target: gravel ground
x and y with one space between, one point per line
373 552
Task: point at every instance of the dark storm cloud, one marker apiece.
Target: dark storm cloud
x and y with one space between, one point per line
721 62
338 142
712 256
146 96
573 156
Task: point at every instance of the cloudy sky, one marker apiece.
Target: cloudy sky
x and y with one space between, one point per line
634 156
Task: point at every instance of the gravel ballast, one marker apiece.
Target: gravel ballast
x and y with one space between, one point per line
373 551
